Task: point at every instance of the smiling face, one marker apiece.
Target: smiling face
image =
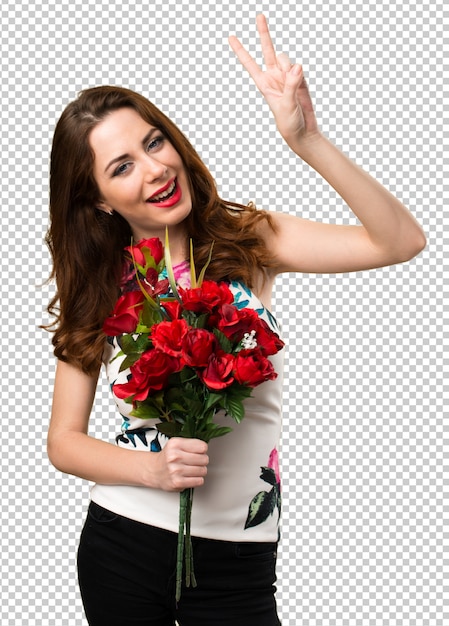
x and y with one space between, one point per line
140 175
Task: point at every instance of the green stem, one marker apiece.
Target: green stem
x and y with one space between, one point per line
190 574
183 499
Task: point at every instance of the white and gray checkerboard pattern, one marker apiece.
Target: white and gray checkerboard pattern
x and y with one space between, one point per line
365 396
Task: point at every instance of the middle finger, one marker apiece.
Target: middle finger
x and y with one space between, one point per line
268 51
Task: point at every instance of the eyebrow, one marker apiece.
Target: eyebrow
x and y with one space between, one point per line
126 155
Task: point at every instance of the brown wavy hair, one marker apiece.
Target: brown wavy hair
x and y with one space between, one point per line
87 244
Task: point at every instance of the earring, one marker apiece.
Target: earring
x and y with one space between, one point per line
110 212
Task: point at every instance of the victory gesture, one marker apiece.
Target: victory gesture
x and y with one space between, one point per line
282 85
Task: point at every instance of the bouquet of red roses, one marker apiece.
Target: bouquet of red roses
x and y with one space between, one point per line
190 354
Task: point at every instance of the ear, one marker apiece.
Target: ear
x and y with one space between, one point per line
102 206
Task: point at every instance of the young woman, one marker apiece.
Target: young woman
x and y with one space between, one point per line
120 168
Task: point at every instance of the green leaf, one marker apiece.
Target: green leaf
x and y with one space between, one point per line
149 259
175 406
129 360
127 343
119 354
149 316
268 475
234 407
190 317
142 342
224 342
217 431
278 498
260 508
188 431
145 412
203 271
193 282
200 321
169 266
170 429
213 400
174 394
187 374
133 349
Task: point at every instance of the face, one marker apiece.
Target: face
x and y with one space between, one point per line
140 175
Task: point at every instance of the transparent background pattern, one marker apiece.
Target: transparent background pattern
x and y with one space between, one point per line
366 397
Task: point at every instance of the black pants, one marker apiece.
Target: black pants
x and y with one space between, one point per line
127 576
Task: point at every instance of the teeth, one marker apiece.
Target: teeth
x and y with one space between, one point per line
165 194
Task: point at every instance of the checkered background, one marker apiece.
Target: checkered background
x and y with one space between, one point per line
365 395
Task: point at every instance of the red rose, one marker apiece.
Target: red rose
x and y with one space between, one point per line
152 285
251 368
155 247
218 373
168 336
173 308
128 276
234 322
151 276
267 340
125 315
207 297
148 374
197 346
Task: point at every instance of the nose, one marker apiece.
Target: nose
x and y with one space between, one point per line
154 169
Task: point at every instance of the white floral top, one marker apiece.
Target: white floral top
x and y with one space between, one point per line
240 500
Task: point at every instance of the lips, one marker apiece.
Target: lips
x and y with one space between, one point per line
168 195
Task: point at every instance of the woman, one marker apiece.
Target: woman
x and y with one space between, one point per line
120 168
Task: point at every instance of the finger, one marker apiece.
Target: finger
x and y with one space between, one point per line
195 460
284 62
268 51
187 443
293 79
196 446
190 471
244 57
185 482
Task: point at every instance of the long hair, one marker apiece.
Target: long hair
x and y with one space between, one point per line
87 244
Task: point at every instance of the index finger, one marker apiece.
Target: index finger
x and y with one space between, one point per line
244 57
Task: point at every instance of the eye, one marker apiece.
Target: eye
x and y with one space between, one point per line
155 142
121 169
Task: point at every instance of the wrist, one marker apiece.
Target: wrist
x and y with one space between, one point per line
145 468
307 146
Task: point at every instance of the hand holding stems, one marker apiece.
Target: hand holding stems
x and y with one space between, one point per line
283 86
181 464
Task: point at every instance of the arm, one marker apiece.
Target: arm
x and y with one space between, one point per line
388 232
181 464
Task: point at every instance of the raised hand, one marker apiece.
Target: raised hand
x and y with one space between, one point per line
283 86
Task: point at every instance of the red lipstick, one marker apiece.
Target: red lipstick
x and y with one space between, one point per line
172 197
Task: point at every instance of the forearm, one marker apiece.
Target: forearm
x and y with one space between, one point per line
387 221
181 464
101 462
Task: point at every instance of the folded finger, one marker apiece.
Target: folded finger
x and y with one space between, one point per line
284 62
